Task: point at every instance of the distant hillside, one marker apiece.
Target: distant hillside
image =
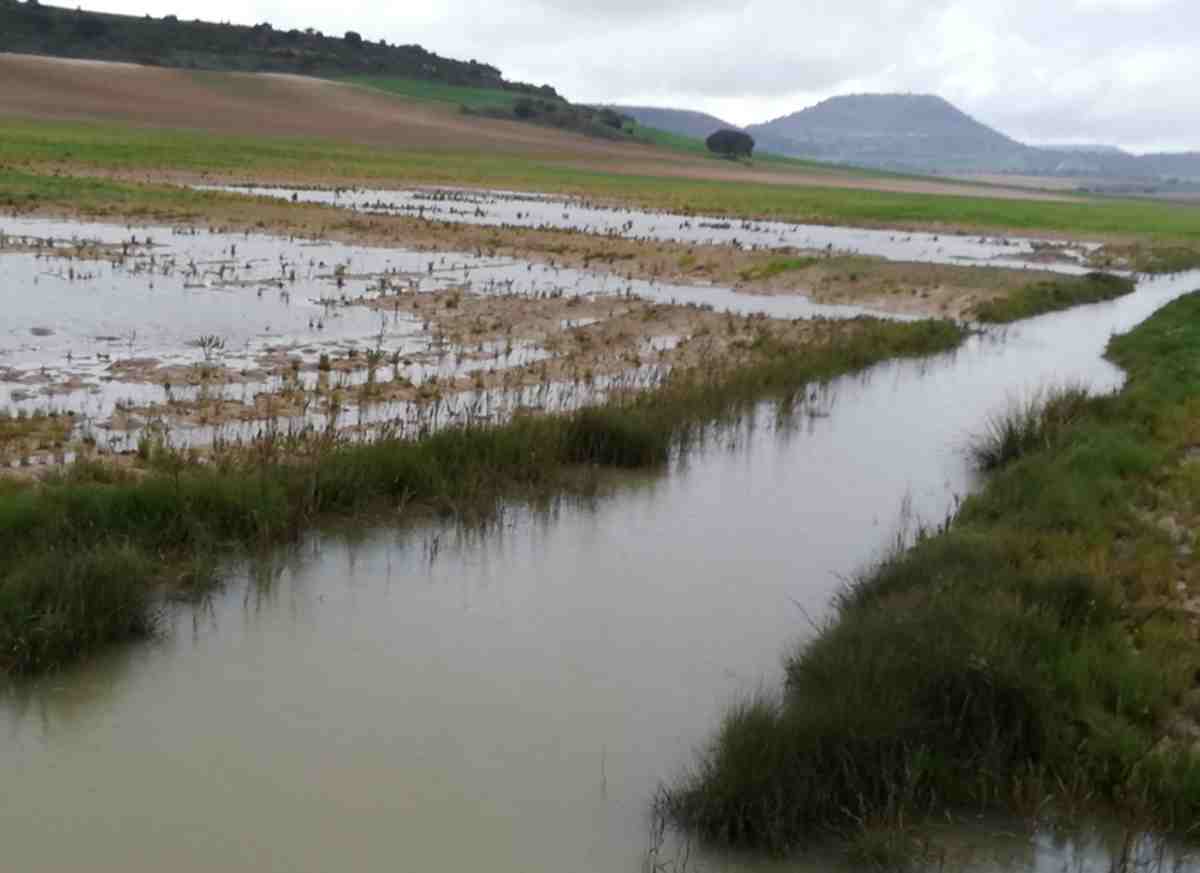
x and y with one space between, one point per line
33 28
1085 149
926 134
698 125
684 122
902 131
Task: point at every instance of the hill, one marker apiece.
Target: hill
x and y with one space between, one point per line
927 134
900 131
684 122
1094 149
60 113
34 28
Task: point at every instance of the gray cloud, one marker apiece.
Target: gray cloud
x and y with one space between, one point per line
1120 71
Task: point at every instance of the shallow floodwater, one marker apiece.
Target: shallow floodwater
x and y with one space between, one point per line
508 699
86 303
513 209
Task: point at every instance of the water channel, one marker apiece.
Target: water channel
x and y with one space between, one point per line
509 698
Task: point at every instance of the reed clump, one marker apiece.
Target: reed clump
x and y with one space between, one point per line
1027 426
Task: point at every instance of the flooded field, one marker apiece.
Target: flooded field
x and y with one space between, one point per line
509 697
215 336
513 209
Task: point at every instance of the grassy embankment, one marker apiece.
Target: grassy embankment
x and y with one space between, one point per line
1054 295
1038 653
82 555
32 151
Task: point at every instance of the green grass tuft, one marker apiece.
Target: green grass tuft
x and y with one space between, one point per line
776 267
1054 295
60 604
1027 427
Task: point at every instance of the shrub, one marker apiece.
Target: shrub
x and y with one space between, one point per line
731 143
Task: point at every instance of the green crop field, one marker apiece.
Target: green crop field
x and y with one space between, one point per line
31 149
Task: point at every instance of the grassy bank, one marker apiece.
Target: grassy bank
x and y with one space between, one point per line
1038 653
81 556
1054 295
40 147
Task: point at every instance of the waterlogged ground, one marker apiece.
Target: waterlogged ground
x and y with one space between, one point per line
115 332
513 209
509 698
118 335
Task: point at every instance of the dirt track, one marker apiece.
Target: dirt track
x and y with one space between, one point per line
257 104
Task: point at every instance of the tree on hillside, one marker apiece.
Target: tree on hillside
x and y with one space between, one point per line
524 108
731 144
354 39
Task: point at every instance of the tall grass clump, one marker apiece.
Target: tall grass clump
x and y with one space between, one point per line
616 437
1033 654
62 604
1026 426
83 554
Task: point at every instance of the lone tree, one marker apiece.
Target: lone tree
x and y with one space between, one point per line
731 144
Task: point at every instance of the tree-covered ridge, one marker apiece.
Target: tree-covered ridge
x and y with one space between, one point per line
33 28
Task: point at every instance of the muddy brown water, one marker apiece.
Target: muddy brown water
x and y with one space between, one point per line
509 698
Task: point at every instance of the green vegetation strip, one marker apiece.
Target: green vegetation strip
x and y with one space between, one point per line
439 92
1036 653
42 146
1054 295
82 556
777 267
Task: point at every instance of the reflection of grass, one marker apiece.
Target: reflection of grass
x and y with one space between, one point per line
1035 653
114 536
1052 295
43 146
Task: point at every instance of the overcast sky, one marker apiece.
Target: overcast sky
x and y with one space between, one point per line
1125 72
